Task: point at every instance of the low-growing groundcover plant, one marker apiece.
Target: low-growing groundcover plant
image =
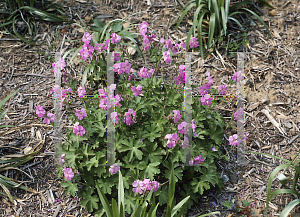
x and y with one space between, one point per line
149 128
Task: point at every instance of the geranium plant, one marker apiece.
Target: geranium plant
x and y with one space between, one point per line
149 128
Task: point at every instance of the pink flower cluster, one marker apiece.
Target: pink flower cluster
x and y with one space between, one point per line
237 76
130 117
40 112
137 90
182 129
122 67
60 64
104 102
196 160
205 88
141 186
222 89
144 73
80 114
78 129
239 114
181 77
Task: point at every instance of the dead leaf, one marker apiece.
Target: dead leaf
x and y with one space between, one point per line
166 12
131 50
230 215
64 31
125 25
272 12
81 30
27 150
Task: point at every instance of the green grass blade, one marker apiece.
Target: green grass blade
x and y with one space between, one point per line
224 20
6 98
184 13
237 22
283 191
104 202
211 29
233 7
285 212
121 192
177 207
6 191
45 16
265 25
271 179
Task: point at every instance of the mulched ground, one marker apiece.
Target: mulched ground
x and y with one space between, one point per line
271 105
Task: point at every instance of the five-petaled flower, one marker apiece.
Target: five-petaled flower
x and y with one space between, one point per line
114 168
68 173
80 114
206 100
237 76
234 140
78 130
194 42
40 112
115 38
81 92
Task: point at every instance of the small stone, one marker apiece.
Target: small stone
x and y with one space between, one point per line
272 12
288 125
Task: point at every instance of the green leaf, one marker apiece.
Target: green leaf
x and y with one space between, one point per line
285 212
199 186
92 162
70 187
115 208
89 201
121 194
212 23
150 169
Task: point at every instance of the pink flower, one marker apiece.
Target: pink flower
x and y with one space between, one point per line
103 104
172 140
204 89
214 148
78 130
137 90
114 117
137 186
143 73
194 43
57 91
151 37
112 87
239 114
115 38
143 28
125 66
62 159
116 56
233 140
114 168
223 89
180 79
162 40
51 116
196 160
182 46
237 76
68 173
130 117
118 68
167 57
146 43
246 135
206 100
102 93
81 92
80 114
182 128
58 65
40 112
169 44
86 38
176 48
86 51
118 98
177 115
46 120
